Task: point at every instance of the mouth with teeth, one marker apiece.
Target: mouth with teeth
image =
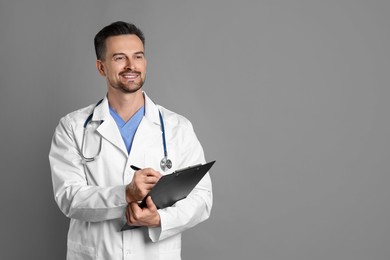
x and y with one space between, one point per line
130 76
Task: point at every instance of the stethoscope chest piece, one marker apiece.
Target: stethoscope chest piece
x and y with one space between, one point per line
165 164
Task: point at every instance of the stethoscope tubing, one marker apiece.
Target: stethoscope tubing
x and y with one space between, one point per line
165 163
163 134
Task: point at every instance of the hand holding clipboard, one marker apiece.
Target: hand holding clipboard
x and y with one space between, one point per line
174 187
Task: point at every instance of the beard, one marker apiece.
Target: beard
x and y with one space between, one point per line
129 87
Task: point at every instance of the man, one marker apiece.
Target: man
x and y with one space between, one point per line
92 151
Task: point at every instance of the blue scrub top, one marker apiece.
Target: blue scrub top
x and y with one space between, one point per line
129 128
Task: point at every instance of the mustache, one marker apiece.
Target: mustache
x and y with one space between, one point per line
130 71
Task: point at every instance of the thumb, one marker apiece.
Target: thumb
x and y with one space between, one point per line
150 204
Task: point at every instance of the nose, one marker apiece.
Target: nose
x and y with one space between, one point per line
129 64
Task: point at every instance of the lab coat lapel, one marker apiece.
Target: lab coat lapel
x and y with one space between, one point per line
108 129
149 131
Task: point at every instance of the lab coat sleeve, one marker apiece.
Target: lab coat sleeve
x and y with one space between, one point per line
194 209
74 196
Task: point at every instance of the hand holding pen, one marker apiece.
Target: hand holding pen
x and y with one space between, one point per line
143 181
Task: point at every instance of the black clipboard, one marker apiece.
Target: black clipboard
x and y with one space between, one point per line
174 187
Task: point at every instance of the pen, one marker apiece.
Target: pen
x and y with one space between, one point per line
135 168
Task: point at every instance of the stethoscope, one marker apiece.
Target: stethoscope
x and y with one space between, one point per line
165 163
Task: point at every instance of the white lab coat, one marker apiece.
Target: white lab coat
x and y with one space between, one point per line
92 195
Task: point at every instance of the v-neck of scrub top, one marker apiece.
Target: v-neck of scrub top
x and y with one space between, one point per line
128 129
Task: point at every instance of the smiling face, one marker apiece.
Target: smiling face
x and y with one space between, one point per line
124 63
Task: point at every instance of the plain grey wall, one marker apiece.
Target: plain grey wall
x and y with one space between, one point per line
290 98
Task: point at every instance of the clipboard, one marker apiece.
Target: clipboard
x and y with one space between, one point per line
174 187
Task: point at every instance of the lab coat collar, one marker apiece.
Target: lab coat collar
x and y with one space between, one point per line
151 110
149 126
102 112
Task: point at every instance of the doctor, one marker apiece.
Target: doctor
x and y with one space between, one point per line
92 151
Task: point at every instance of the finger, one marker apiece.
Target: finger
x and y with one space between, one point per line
151 179
145 187
150 204
134 208
151 172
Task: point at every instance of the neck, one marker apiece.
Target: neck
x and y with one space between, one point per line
126 105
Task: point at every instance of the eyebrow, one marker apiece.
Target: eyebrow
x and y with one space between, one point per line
121 53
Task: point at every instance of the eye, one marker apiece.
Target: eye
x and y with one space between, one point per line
139 56
119 58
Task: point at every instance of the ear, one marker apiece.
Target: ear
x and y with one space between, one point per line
100 67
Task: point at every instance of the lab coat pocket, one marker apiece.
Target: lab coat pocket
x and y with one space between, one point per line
78 251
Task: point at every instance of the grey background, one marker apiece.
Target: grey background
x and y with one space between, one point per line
290 98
